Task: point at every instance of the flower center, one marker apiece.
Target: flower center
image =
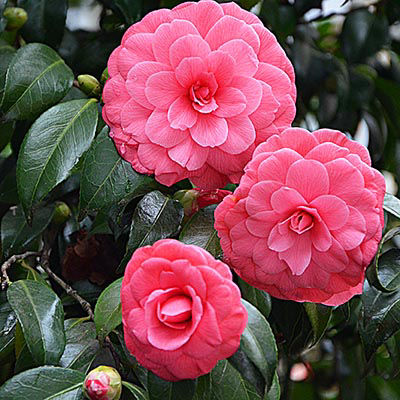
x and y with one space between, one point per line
176 310
201 93
301 221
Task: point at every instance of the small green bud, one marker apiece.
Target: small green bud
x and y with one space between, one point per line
89 85
103 383
104 76
16 18
61 213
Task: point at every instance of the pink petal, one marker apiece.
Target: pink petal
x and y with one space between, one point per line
259 197
286 200
209 178
261 224
228 28
156 159
238 12
162 89
137 77
203 14
267 261
112 63
332 210
265 113
244 56
188 71
227 163
252 90
278 242
189 154
134 118
298 139
188 46
326 152
309 177
137 325
334 260
298 257
166 34
320 236
241 135
181 114
221 65
209 130
231 102
285 114
159 131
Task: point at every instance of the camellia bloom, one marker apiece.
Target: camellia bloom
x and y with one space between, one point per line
181 311
194 89
307 217
103 383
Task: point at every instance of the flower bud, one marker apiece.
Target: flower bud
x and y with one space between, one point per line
188 199
61 213
16 18
103 383
89 85
104 76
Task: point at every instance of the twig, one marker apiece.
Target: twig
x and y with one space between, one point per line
5 280
68 289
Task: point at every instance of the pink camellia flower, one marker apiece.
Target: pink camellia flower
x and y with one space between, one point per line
194 89
181 311
307 217
103 383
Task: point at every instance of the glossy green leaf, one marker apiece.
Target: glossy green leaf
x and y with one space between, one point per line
363 35
136 391
37 78
319 316
8 321
6 132
156 217
108 179
51 148
6 55
380 318
41 316
16 234
274 392
159 389
258 343
391 204
44 383
107 313
260 299
46 20
199 230
81 345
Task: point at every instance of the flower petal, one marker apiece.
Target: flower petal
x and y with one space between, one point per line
209 130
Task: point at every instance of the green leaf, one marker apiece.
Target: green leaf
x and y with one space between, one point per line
248 4
380 316
6 132
107 313
136 391
41 316
44 383
6 55
159 389
3 20
199 230
156 217
46 20
8 321
224 382
319 316
258 343
363 34
16 234
51 148
81 345
108 179
37 78
274 393
260 299
391 204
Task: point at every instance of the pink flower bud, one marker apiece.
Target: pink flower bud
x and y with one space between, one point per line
103 383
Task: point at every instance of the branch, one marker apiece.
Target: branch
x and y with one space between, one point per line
68 289
5 280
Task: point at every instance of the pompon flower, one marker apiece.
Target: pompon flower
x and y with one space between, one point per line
307 217
194 89
181 311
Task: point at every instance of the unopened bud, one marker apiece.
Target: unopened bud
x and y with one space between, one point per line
16 18
188 199
89 85
103 383
104 76
61 213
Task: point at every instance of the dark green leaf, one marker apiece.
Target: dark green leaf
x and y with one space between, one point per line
248 4
136 391
46 20
319 316
24 360
107 179
51 148
391 204
156 217
81 345
36 79
6 55
6 132
258 343
107 313
380 318
8 321
385 274
129 9
159 389
363 35
199 230
260 299
44 383
274 393
16 234
41 316
3 20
